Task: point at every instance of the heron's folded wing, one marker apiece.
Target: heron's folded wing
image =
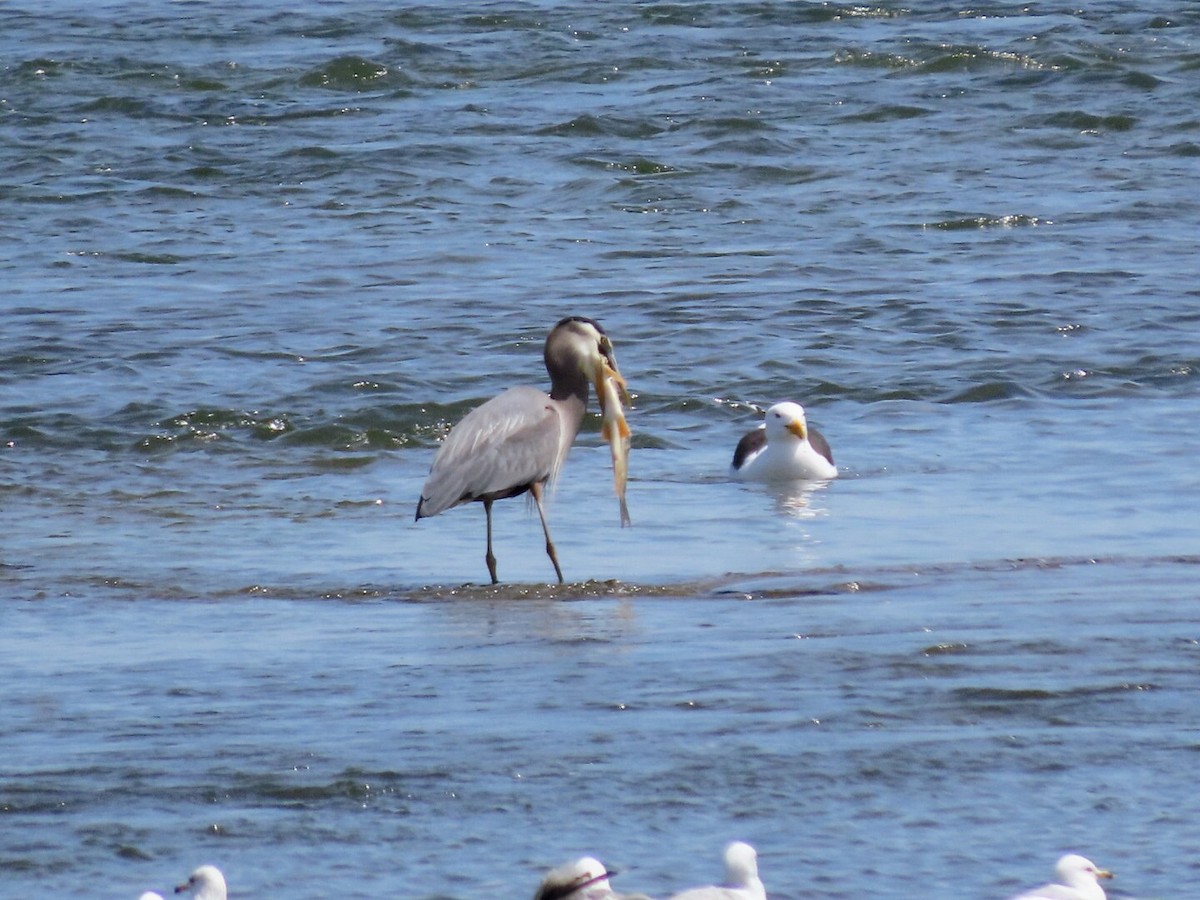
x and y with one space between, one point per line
498 449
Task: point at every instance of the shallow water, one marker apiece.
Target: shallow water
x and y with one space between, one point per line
259 261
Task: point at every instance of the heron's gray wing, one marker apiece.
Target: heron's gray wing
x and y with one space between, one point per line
498 450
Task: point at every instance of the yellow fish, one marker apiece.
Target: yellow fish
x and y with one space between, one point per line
615 430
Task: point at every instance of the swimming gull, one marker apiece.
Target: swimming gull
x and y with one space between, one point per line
205 883
783 448
1078 879
585 878
741 878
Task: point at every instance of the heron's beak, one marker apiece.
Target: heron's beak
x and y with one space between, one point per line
798 429
606 367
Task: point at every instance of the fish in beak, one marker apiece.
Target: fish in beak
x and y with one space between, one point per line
611 390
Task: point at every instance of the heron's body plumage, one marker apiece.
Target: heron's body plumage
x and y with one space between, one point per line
500 449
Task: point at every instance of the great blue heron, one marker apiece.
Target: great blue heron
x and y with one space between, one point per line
783 448
741 878
581 879
518 440
1077 880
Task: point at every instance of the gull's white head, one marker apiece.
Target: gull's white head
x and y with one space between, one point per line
1078 871
581 879
741 860
150 895
205 883
786 420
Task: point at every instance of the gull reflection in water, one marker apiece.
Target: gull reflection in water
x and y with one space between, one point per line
798 499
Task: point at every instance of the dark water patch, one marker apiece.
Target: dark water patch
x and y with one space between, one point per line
60 431
215 420
971 223
40 67
1186 149
677 14
871 59
559 69
202 85
992 391
355 787
781 174
941 60
155 259
121 840
353 73
1019 696
589 125
313 152
201 427
347 463
726 125
948 649
1004 695
1080 121
887 113
345 437
1141 80
168 192
127 106
206 173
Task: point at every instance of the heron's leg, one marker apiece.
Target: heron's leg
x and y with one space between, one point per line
491 557
536 490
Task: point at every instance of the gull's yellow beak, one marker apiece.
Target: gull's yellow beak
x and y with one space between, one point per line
798 429
1104 873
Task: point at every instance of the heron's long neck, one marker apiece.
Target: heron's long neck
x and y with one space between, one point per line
568 387
573 406
574 385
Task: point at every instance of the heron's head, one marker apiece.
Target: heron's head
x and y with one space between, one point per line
786 418
576 880
578 348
